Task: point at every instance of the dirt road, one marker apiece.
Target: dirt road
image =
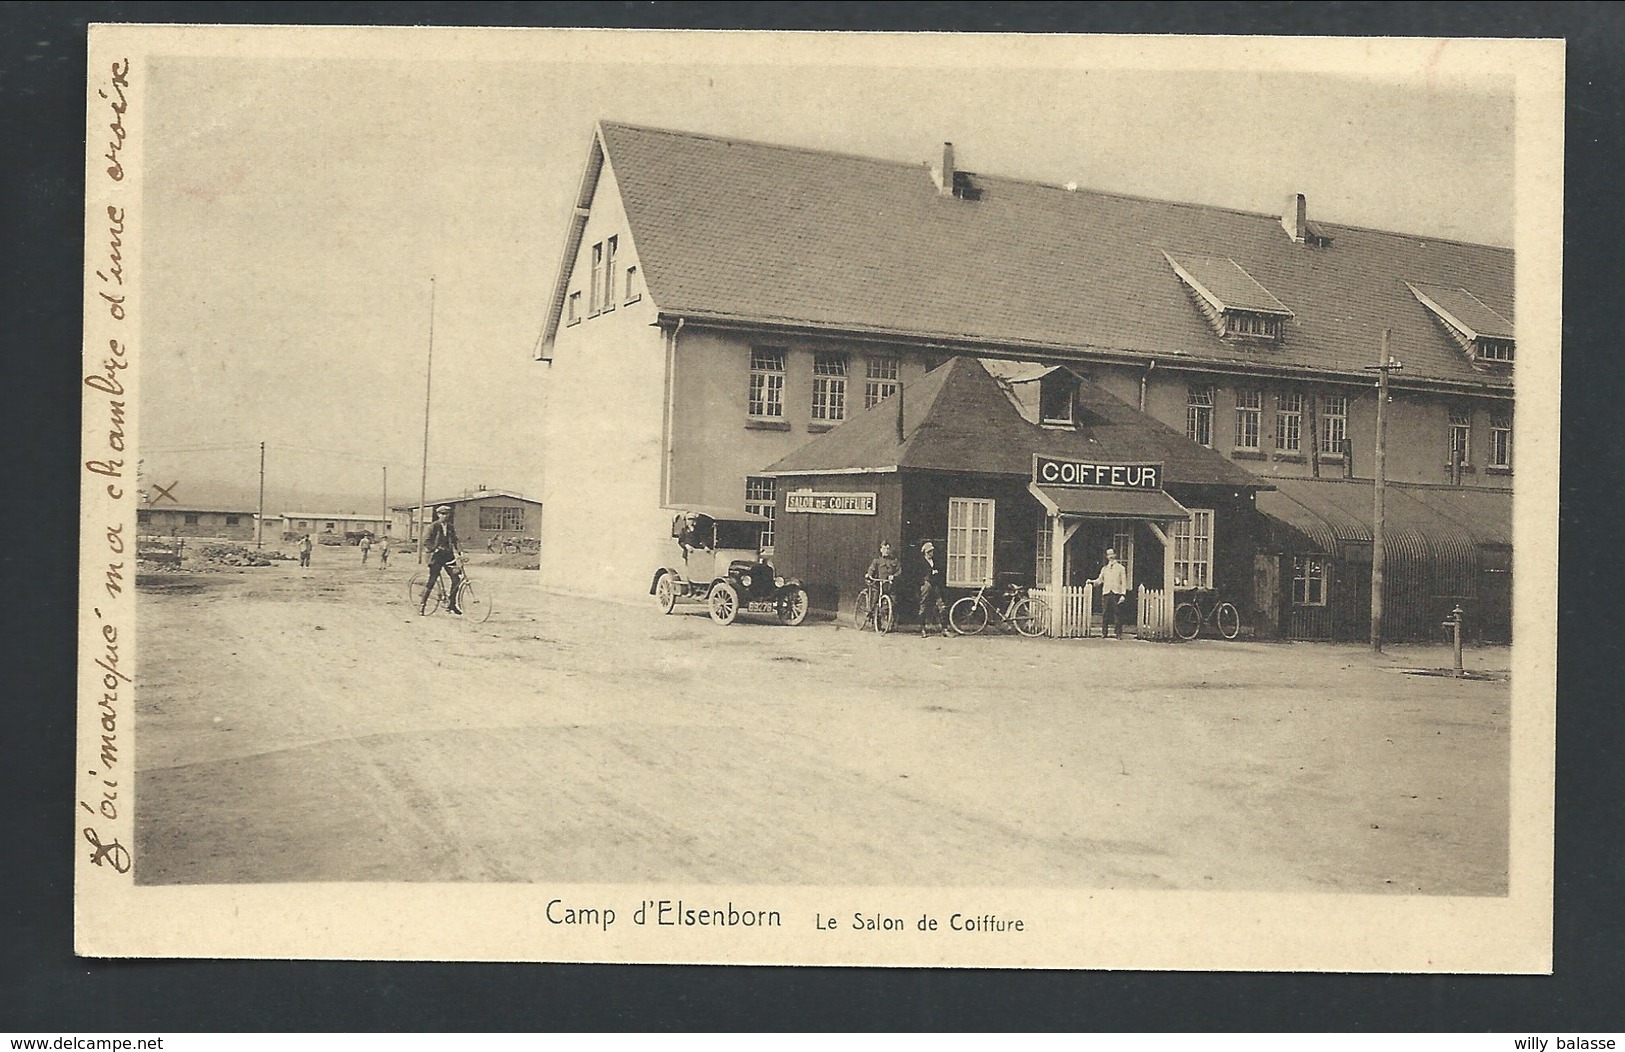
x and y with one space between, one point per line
306 725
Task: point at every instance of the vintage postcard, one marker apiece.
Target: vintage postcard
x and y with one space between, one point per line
738 497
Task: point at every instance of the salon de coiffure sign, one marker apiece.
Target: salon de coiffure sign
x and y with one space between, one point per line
808 501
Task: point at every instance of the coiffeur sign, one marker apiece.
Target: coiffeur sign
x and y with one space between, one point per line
1048 471
807 501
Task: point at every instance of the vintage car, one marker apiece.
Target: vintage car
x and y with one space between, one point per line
715 557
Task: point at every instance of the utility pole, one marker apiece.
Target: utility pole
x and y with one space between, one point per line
259 520
428 381
1378 551
385 519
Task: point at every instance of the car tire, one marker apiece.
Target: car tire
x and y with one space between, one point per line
666 593
792 605
724 602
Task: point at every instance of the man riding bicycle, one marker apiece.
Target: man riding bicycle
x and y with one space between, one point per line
444 552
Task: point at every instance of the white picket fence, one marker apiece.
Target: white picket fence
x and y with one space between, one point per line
1154 612
1154 609
1076 604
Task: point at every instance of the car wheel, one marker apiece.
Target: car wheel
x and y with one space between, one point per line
724 602
666 593
793 605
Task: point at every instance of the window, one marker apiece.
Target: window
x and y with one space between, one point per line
1491 349
766 382
233 520
332 526
1046 551
1199 415
597 277
575 309
1334 424
1501 439
880 381
1123 545
502 520
762 498
632 293
1193 550
1249 411
829 387
1461 436
1289 422
1057 395
1240 323
609 273
304 524
190 520
970 542
142 515
1309 573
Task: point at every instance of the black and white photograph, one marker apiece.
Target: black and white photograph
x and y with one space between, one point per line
804 498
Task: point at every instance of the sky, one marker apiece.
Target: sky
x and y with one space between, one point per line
298 209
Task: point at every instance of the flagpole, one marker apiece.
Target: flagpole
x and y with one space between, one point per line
428 382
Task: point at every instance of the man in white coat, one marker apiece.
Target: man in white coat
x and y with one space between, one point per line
1113 583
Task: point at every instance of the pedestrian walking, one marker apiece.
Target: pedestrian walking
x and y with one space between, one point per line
932 584
305 545
366 547
1113 582
383 553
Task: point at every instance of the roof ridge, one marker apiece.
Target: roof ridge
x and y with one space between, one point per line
1039 183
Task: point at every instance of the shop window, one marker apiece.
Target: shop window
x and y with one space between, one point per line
574 315
502 520
1461 437
829 387
970 542
1193 550
1046 549
880 381
1199 415
1501 439
1249 418
762 498
632 293
1289 421
1309 577
609 274
766 383
1334 424
596 288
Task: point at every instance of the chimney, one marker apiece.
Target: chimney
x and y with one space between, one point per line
1295 218
945 174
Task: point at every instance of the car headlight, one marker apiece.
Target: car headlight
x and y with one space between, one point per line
744 579
778 582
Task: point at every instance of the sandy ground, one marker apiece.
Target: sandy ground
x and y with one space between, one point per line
306 725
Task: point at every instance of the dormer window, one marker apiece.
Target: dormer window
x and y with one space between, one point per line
1058 399
1484 333
1234 303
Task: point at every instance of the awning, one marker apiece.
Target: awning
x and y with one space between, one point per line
1104 503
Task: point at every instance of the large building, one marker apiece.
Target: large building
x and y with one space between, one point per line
483 517
720 303
176 520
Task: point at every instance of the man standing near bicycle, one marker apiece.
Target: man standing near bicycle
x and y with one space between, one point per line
1113 583
932 586
444 552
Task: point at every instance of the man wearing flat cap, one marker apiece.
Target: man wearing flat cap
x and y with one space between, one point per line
444 552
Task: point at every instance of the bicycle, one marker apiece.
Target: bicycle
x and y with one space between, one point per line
472 599
1026 614
875 608
1190 616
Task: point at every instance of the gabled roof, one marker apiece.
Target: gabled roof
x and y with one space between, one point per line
956 418
1463 310
1224 284
465 498
740 232
195 509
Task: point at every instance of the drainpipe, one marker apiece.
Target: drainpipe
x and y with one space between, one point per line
668 454
1143 378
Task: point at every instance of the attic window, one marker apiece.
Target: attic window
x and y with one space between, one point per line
1058 398
1480 330
1232 300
